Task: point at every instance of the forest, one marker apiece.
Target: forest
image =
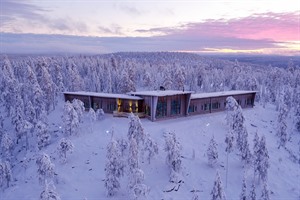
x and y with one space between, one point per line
31 89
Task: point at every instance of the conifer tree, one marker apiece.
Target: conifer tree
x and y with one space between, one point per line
49 192
229 148
5 174
70 119
212 152
79 108
282 126
45 168
64 146
151 148
114 168
217 192
265 192
42 134
252 195
7 145
243 195
173 149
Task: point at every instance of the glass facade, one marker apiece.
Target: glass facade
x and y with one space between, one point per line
175 105
161 110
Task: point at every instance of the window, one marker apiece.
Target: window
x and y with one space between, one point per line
249 102
111 106
161 110
175 105
206 106
192 108
215 105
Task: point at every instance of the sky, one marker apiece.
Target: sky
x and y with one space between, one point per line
103 26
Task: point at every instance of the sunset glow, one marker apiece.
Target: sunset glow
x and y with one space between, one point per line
263 27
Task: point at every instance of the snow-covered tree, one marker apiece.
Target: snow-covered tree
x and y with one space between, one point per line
297 119
49 192
7 145
151 148
140 191
123 145
282 126
70 119
133 155
64 146
262 164
5 174
212 152
173 149
243 195
79 108
217 192
256 153
43 136
100 114
229 148
92 117
114 168
45 167
136 130
252 195
265 192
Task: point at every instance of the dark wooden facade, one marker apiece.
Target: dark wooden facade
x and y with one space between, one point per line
202 105
157 105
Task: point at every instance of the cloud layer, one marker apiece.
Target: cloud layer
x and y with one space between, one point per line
259 33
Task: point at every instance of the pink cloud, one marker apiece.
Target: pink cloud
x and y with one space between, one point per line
271 26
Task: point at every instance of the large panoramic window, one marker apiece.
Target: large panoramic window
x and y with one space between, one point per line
161 110
215 105
192 108
175 105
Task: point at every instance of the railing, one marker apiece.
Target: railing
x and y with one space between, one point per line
126 114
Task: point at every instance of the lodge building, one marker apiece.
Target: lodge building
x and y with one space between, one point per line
161 104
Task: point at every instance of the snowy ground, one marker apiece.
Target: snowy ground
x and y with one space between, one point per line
83 176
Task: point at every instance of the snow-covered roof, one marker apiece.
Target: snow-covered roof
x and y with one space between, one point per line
160 93
105 95
218 94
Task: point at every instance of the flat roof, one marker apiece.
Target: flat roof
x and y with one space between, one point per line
105 95
219 94
160 93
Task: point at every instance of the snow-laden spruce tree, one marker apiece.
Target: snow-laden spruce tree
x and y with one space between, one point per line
212 152
136 130
7 145
282 126
252 194
64 146
43 136
100 114
265 192
133 155
92 117
49 192
256 153
217 192
123 145
262 163
150 149
243 195
30 113
173 160
5 174
45 168
114 168
229 148
297 119
79 108
70 119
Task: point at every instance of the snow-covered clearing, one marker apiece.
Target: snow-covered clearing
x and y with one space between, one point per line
83 174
